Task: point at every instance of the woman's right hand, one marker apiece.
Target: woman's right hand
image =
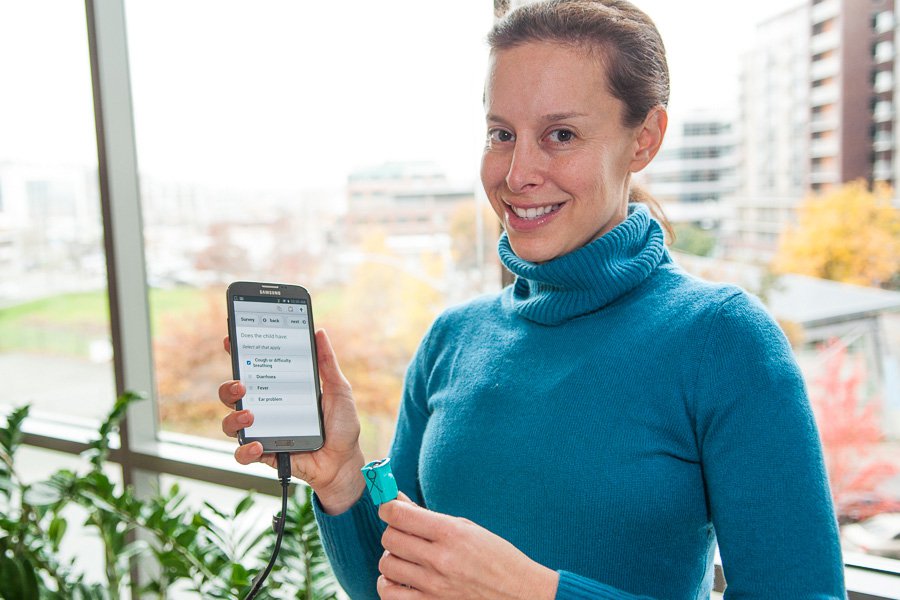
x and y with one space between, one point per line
333 471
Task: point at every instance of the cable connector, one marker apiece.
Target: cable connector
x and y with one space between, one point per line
284 476
284 467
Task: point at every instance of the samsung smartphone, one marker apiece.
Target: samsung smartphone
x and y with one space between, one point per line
273 353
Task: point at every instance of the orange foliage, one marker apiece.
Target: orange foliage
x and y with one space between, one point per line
850 234
190 365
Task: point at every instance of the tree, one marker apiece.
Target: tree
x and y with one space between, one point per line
464 234
693 239
190 365
850 235
857 460
376 326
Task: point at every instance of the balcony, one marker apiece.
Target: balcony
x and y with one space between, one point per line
823 124
825 68
824 94
824 147
825 10
884 82
823 176
883 141
882 171
884 21
884 111
884 51
827 40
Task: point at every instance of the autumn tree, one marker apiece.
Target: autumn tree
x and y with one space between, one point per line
850 235
856 456
190 364
464 233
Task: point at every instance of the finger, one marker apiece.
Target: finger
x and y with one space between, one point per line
227 343
415 520
391 590
235 421
408 547
404 497
403 572
230 392
248 453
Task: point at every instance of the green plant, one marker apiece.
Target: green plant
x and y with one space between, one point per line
211 551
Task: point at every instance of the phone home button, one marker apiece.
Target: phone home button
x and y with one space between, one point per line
283 443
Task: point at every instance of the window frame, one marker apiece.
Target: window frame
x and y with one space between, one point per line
141 450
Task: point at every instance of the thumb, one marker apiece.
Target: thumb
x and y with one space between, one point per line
333 379
404 498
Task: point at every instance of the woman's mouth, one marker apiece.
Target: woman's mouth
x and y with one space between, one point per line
523 218
535 211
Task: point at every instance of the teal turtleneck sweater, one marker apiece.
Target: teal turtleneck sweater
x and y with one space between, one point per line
613 418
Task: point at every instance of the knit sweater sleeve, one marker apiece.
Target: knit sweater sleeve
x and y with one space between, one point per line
352 539
766 483
576 587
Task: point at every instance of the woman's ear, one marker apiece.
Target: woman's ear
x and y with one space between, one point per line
649 138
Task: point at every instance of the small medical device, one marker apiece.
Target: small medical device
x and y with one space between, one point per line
380 481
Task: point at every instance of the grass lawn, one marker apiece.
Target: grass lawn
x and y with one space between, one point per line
66 324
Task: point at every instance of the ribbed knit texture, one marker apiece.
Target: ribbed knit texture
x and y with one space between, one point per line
610 416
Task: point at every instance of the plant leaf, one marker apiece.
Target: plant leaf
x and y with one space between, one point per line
41 494
56 531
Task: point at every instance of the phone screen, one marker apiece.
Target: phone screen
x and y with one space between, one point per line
275 363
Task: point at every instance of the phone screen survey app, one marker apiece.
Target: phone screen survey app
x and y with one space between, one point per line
275 365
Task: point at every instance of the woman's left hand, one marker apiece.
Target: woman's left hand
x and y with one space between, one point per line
431 555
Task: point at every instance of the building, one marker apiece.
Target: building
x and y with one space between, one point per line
402 199
852 92
816 110
695 169
51 236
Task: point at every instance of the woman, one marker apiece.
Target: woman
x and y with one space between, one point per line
596 428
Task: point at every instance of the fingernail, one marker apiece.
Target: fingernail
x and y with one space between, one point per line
244 418
236 388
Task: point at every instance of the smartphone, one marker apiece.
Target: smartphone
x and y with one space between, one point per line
273 353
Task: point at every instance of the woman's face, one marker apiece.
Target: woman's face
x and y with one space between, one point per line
558 160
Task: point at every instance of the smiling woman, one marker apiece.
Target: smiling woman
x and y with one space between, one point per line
665 413
557 166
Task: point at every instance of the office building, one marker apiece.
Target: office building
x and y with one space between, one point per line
696 167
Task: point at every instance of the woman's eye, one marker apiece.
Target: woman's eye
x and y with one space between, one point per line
500 135
561 135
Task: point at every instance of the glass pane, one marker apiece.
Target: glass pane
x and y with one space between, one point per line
298 143
55 346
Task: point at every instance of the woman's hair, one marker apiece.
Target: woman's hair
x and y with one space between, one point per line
622 36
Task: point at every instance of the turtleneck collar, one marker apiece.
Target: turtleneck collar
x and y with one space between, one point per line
589 278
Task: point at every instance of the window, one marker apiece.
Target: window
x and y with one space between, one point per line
883 51
242 177
343 175
883 21
54 319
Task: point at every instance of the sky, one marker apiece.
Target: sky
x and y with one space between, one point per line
296 94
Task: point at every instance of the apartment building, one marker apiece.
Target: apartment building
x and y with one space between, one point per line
816 110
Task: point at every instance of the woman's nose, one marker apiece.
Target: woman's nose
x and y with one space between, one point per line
526 168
